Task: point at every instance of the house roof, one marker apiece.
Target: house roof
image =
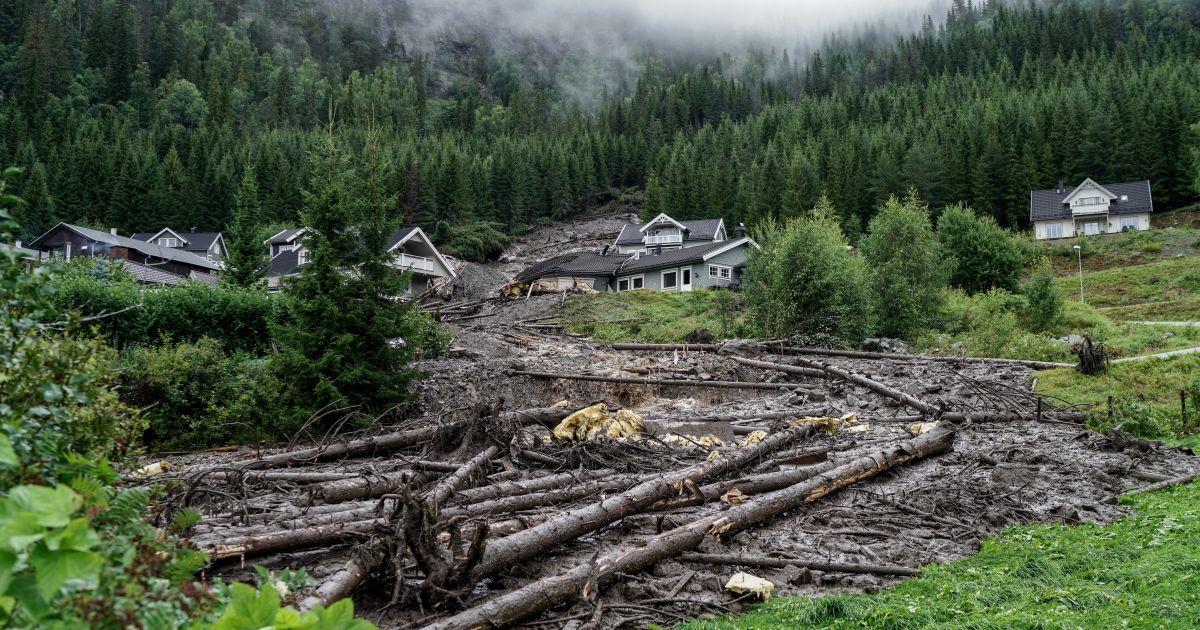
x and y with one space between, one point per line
1048 205
285 237
593 264
148 274
697 230
576 263
192 241
399 236
149 249
21 252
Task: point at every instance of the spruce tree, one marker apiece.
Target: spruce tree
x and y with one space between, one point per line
247 254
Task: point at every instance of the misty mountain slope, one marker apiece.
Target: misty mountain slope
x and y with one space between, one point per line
137 114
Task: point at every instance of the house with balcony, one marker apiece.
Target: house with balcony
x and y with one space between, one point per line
669 256
410 248
662 233
1090 208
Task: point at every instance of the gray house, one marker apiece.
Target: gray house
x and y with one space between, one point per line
662 233
208 245
707 263
410 248
1090 208
150 262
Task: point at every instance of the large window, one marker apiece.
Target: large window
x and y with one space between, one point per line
303 256
1089 201
720 272
1129 223
167 241
1091 228
670 280
1054 230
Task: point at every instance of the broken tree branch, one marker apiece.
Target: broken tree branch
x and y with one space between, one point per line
657 381
764 562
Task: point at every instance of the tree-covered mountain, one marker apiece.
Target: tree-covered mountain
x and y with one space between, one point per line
140 113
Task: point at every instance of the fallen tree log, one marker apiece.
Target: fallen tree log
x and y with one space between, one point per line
776 348
391 441
543 498
667 347
362 486
286 540
764 562
1154 487
523 545
526 486
468 472
532 599
657 381
834 371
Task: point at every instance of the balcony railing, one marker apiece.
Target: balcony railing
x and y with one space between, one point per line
416 263
663 239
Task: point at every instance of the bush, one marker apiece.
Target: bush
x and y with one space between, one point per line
806 280
239 318
1045 301
909 272
986 256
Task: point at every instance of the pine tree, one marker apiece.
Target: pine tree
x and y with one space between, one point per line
247 254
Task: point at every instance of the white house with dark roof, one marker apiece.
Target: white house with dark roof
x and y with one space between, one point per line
1090 208
208 245
661 255
662 233
410 248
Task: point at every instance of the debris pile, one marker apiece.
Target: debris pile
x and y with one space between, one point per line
634 502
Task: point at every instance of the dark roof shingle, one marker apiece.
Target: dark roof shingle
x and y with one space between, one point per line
576 263
697 230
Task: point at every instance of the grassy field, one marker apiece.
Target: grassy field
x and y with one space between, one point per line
1139 572
1162 281
652 316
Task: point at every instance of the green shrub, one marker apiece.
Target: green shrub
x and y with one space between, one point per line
986 256
1045 301
910 272
128 314
806 280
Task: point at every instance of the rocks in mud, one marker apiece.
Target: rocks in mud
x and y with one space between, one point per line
886 344
741 348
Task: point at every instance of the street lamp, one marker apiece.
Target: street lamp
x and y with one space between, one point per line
1079 255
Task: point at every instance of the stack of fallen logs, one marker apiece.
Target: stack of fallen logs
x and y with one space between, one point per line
499 495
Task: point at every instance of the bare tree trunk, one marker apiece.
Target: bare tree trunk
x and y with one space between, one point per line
780 563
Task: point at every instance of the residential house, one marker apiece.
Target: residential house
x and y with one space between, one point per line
150 262
662 233
209 245
411 251
1090 208
678 266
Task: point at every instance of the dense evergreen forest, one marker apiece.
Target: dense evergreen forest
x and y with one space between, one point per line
140 113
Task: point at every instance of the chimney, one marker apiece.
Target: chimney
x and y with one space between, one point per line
740 231
604 252
658 249
1060 187
113 231
18 243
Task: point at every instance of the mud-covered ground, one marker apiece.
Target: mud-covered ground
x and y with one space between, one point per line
937 509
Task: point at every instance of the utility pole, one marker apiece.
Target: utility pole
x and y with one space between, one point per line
1079 255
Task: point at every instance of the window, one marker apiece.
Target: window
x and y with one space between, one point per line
1129 223
167 241
623 284
1091 228
631 283
303 257
670 279
638 282
1054 230
719 272
1089 201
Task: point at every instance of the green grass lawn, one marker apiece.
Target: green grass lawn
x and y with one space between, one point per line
1142 571
651 316
1105 251
1179 310
1161 281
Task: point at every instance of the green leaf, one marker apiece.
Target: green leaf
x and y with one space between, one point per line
340 616
25 589
249 609
53 568
52 506
8 457
20 530
77 535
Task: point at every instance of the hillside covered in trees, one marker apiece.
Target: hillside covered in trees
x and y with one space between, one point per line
137 113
